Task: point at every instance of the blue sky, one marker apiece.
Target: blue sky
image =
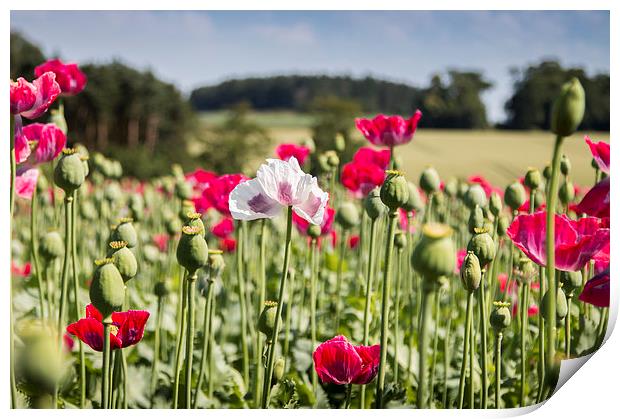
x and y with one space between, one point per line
193 48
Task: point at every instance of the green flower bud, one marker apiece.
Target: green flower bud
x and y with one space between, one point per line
161 289
495 204
340 143
172 226
567 192
124 259
69 173
187 208
568 108
400 240
309 144
565 165
107 290
136 206
192 250
394 192
183 190
476 219
515 195
216 263
332 159
51 246
429 180
434 255
348 216
526 271
267 319
414 203
500 317
561 305
88 210
462 190
38 366
314 231
502 225
451 187
471 274
483 246
547 172
532 179
373 205
278 369
475 195
125 232
571 281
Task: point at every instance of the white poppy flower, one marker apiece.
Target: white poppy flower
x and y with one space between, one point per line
278 184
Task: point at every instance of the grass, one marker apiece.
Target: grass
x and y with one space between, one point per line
500 156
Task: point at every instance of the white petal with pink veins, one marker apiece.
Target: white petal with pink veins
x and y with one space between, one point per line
249 201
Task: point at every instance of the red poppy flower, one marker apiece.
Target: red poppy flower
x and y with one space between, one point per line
601 153
576 241
596 290
388 131
68 342
22 271
228 244
200 179
354 241
49 138
336 361
502 279
361 178
224 228
369 155
286 151
69 77
596 202
326 225
25 181
128 328
161 241
219 189
32 100
601 260
532 310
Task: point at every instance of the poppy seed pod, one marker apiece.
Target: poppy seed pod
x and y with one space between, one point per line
471 274
568 108
194 219
571 281
192 250
462 190
332 159
526 271
515 195
216 263
547 172
532 178
278 369
38 366
112 192
400 240
567 192
348 216
69 172
88 210
151 253
187 207
183 190
84 156
434 255
373 205
561 305
136 206
124 259
267 319
314 231
394 191
429 180
172 226
451 187
414 203
476 219
161 289
51 246
500 317
539 198
495 204
116 169
502 225
340 142
565 165
107 290
475 195
125 232
483 246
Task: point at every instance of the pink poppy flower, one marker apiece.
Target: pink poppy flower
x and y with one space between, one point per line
326 225
224 228
32 100
361 178
596 202
485 184
460 257
576 241
68 342
336 361
596 290
600 153
601 260
21 271
502 279
161 241
354 241
218 192
228 244
25 181
69 77
532 310
49 138
403 221
286 151
128 328
388 131
368 155
200 179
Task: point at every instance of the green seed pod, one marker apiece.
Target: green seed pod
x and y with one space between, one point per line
116 169
187 207
267 319
183 190
526 271
567 192
113 192
88 210
400 240
451 188
568 108
84 156
309 144
502 225
571 281
532 179
151 253
69 173
192 250
278 369
161 289
340 142
373 205
515 195
216 263
172 226
194 219
476 219
429 180
462 190
414 203
475 195
38 366
125 232
136 206
593 163
314 231
500 317
561 305
394 192
124 259
483 246
547 172
51 246
495 204
471 274
43 185
107 290
434 255
565 165
348 216
539 198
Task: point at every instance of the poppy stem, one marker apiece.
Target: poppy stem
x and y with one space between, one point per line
431 386
35 251
399 262
567 337
483 340
347 402
466 349
78 313
287 321
446 361
498 368
179 346
242 303
369 274
261 300
343 241
472 352
523 308
206 325
191 328
156 349
385 306
541 337
428 301
105 369
313 256
276 329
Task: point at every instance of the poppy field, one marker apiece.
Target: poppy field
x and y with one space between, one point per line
319 281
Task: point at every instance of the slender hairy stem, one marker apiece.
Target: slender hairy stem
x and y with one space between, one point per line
343 240
446 361
287 321
399 263
483 340
78 310
428 301
498 368
276 329
35 251
472 352
347 402
206 324
369 273
105 370
259 304
156 349
567 337
523 311
431 386
191 330
466 349
541 337
179 346
313 256
242 304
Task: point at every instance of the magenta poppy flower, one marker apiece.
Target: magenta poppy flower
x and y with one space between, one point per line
161 241
403 221
25 181
219 189
601 260
200 180
49 138
22 271
576 241
32 100
336 361
596 202
361 178
228 244
286 151
128 328
600 153
326 225
354 241
460 257
224 228
388 131
485 184
69 76
368 155
596 290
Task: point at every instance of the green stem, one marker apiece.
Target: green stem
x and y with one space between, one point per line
472 340
446 361
156 349
206 324
466 349
428 299
343 240
276 329
191 329
242 304
35 251
313 256
498 368
210 383
287 321
261 300
483 341
78 311
541 337
567 337
396 326
347 402
179 345
369 273
523 312
435 343
385 306
105 370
